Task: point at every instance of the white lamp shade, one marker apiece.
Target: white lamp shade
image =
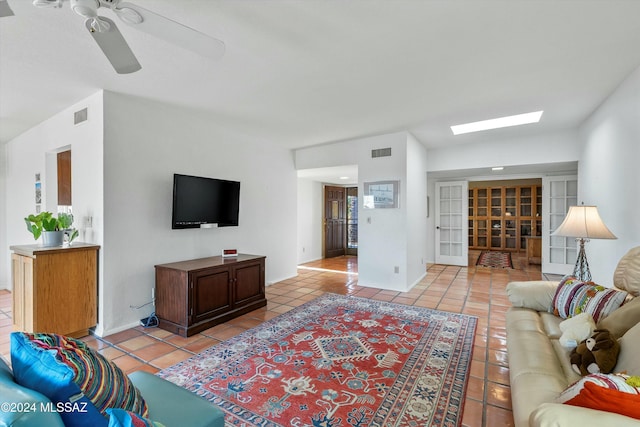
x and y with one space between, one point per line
585 222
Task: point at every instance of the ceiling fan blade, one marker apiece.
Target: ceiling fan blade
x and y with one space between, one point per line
171 31
114 46
5 10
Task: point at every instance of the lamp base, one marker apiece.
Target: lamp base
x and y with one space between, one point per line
581 269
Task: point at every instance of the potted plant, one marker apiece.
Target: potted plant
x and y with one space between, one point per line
51 228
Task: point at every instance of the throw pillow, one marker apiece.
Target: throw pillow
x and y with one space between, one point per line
122 418
628 360
604 392
74 377
623 319
573 297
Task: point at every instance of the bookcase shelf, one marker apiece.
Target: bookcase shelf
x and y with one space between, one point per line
503 217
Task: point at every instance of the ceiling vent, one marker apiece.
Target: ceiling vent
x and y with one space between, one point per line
381 152
80 116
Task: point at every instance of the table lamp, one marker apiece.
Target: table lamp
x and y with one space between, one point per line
583 223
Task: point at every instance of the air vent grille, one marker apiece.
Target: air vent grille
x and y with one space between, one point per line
80 116
381 152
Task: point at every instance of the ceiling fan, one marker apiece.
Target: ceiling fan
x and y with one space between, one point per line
106 34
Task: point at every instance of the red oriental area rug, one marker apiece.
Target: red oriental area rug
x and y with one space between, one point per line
495 259
339 361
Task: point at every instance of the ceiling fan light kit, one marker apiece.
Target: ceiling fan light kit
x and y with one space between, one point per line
114 46
47 3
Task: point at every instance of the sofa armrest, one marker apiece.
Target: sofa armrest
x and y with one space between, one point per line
536 294
23 406
175 406
559 415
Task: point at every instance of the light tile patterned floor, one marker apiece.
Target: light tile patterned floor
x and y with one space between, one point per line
472 290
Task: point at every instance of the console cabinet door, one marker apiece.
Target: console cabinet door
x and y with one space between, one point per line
249 283
212 293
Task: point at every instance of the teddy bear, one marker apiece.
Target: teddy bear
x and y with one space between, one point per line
576 329
599 353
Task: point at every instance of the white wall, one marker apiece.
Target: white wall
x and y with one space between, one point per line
5 271
310 199
145 144
541 149
31 153
382 243
608 175
417 234
328 155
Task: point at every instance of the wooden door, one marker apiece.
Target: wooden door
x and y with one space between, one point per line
335 221
64 178
248 282
212 293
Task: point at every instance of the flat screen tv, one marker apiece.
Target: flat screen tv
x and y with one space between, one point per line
200 202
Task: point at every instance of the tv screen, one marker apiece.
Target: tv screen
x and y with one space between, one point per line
199 201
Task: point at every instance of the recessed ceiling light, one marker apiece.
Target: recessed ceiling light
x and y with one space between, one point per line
502 122
497 168
344 177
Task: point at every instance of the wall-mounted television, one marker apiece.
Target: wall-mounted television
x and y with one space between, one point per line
200 202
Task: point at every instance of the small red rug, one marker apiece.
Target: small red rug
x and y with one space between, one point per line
495 259
339 361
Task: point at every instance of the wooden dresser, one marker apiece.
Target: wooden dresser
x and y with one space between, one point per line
194 295
55 289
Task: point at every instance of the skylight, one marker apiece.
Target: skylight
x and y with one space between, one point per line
502 122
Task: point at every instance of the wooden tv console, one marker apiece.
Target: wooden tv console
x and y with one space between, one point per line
194 295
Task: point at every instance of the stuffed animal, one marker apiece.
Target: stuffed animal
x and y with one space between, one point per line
599 353
576 329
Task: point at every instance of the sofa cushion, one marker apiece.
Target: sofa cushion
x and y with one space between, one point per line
536 295
73 375
622 319
557 414
535 374
122 418
628 360
573 297
13 393
605 392
627 274
182 408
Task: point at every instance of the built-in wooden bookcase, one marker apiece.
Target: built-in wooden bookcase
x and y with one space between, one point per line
502 217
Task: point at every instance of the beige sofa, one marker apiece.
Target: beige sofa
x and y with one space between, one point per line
539 366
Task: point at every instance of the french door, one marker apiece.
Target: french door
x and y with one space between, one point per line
451 223
558 253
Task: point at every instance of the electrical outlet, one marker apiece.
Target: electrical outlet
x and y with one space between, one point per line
396 269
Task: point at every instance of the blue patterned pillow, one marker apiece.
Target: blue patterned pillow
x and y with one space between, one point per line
78 380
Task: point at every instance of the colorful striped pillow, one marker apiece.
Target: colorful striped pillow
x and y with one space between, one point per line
605 392
74 377
574 297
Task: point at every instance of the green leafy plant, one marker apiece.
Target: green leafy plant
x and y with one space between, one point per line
45 221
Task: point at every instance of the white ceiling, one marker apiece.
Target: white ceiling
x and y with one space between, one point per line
299 73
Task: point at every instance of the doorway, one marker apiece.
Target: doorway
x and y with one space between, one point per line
340 221
352 221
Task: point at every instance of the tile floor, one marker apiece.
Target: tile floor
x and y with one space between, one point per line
472 290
